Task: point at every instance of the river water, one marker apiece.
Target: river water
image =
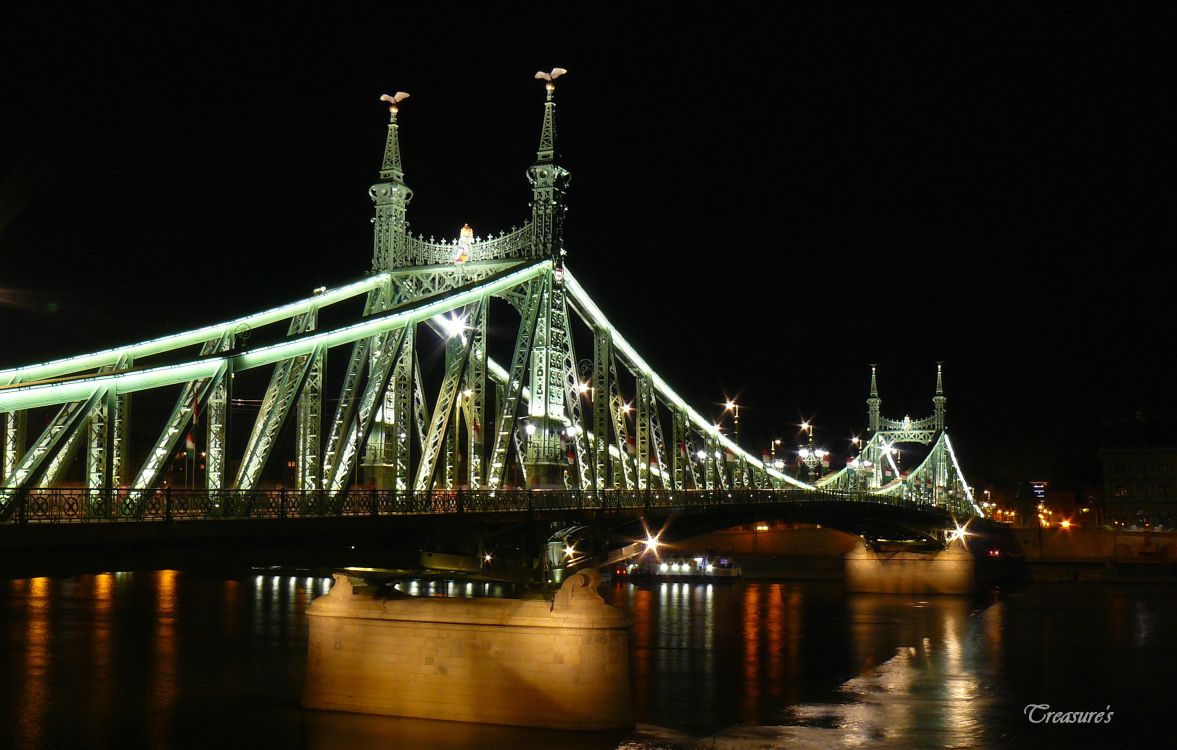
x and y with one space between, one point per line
174 659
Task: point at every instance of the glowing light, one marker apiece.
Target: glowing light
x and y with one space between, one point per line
762 527
960 532
584 388
452 325
701 455
529 429
487 557
729 405
652 543
626 408
569 551
465 237
1065 523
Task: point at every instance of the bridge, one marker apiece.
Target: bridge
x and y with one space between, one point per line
534 430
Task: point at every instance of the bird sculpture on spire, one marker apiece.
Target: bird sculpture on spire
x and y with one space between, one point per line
394 100
550 77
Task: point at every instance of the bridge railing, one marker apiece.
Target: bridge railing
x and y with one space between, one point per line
66 505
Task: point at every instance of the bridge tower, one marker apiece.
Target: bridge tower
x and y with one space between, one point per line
547 423
937 481
939 401
873 403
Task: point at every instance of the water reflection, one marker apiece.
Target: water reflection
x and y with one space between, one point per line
751 627
163 673
169 658
35 697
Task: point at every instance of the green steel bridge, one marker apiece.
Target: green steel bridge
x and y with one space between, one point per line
538 431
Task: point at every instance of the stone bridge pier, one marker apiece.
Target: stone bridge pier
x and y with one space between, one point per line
951 570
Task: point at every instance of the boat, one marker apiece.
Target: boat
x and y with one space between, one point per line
700 567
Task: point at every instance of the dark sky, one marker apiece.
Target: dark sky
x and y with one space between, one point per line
763 203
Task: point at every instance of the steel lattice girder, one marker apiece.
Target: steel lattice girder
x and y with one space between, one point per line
27 396
385 349
67 420
508 400
40 394
286 384
192 395
594 317
163 344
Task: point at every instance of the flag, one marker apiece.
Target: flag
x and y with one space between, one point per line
190 440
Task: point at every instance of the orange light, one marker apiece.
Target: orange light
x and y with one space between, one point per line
1065 524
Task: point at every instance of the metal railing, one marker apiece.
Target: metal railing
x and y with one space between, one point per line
80 505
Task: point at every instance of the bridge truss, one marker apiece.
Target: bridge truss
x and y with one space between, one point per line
529 422
938 481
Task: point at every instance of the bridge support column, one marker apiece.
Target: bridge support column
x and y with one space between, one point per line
14 444
562 664
948 571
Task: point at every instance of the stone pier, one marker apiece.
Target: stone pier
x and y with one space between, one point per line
948 571
560 664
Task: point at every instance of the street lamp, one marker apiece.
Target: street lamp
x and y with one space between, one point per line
734 408
812 457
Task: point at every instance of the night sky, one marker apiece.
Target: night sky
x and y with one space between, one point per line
764 204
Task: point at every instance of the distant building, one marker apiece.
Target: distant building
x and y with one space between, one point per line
1138 464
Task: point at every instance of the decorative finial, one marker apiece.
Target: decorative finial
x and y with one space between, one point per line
874 388
550 78
939 380
547 139
393 101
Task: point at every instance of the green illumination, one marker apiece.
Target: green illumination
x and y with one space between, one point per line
49 394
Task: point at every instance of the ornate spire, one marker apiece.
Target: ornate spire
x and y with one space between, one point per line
546 154
391 196
940 401
391 169
873 403
548 180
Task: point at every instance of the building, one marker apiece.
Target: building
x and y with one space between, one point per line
1138 466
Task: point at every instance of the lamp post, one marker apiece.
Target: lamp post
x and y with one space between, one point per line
812 457
734 408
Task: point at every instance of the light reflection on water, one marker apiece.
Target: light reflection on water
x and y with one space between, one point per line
171 658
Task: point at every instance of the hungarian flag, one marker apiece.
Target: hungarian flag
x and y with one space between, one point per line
190 440
630 447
